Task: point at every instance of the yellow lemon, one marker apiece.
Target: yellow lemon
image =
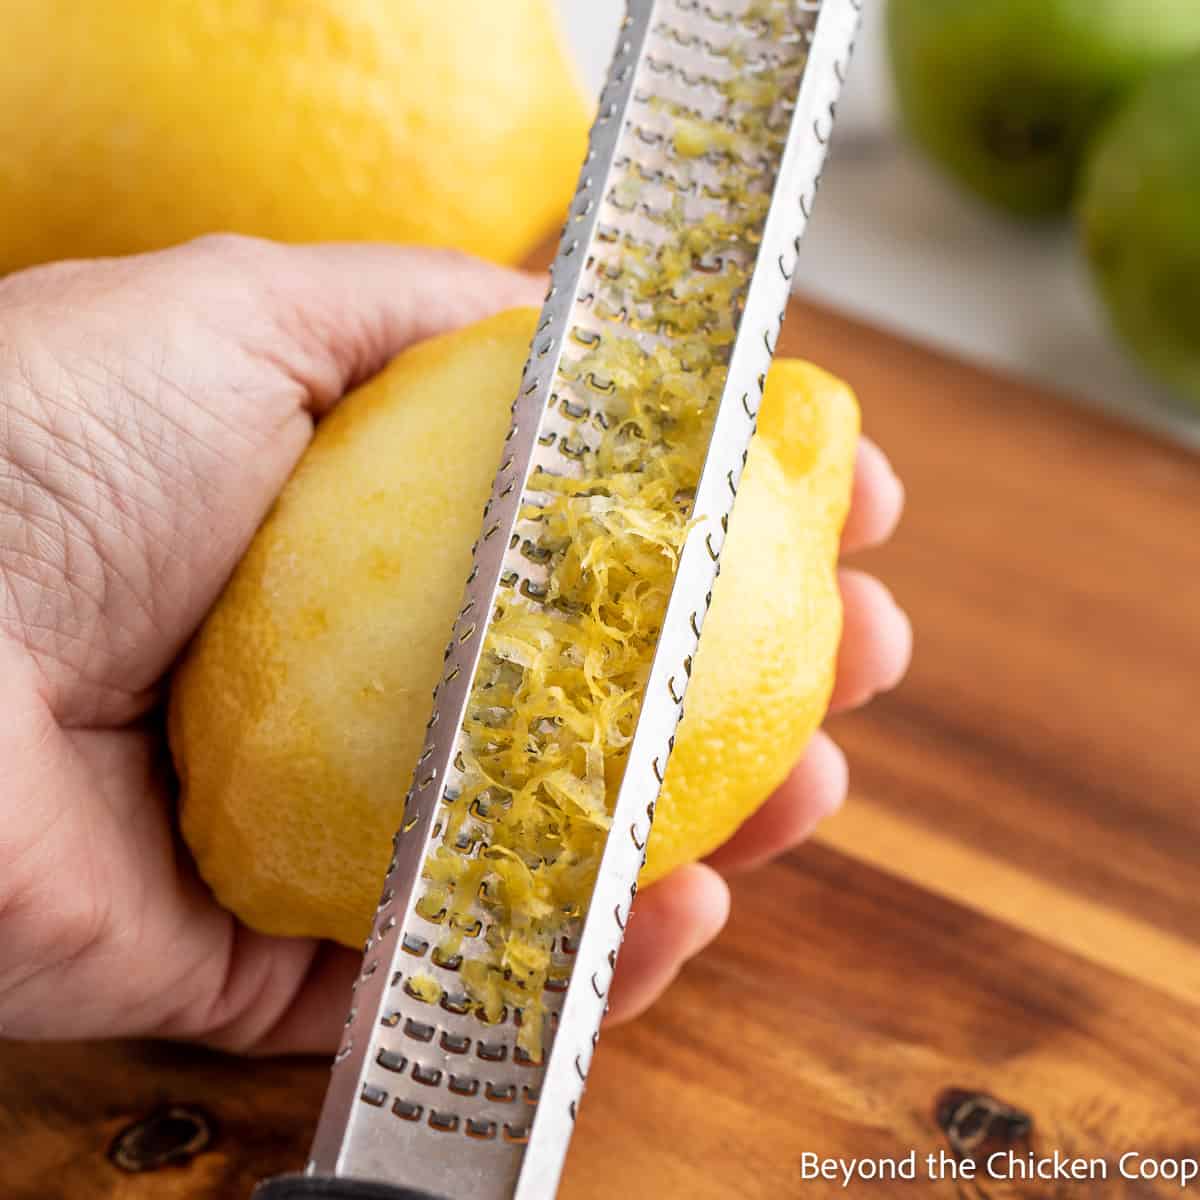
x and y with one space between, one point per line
299 711
127 125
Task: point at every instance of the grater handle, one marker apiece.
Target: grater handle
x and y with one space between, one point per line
313 1187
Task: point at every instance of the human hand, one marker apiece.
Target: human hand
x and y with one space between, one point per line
151 409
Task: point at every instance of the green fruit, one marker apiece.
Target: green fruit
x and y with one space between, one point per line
1139 215
1006 93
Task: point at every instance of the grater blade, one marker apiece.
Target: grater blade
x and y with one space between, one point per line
429 1089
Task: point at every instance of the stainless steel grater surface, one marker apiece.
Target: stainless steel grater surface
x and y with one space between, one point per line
673 271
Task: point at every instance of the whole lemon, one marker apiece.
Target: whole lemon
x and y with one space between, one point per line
1139 218
127 125
298 713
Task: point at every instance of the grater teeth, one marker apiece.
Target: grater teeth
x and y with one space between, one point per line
678 249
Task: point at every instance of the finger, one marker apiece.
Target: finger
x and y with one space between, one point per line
876 502
261 995
672 921
310 1018
814 790
876 644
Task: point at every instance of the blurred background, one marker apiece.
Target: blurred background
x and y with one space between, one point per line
894 241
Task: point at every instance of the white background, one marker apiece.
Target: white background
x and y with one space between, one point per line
892 242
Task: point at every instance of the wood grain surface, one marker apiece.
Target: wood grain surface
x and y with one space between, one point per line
997 942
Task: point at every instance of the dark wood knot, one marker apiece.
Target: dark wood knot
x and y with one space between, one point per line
977 1125
168 1137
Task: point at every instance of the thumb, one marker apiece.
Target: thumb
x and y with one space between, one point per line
333 314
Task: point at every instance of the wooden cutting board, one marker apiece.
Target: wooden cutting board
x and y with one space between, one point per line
996 944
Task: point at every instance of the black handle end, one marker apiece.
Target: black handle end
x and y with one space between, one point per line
312 1187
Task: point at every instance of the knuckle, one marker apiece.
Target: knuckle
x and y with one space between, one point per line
79 927
230 247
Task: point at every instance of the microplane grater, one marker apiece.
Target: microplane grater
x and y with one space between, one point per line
431 1100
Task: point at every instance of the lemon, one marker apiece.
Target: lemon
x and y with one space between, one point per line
128 125
298 712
